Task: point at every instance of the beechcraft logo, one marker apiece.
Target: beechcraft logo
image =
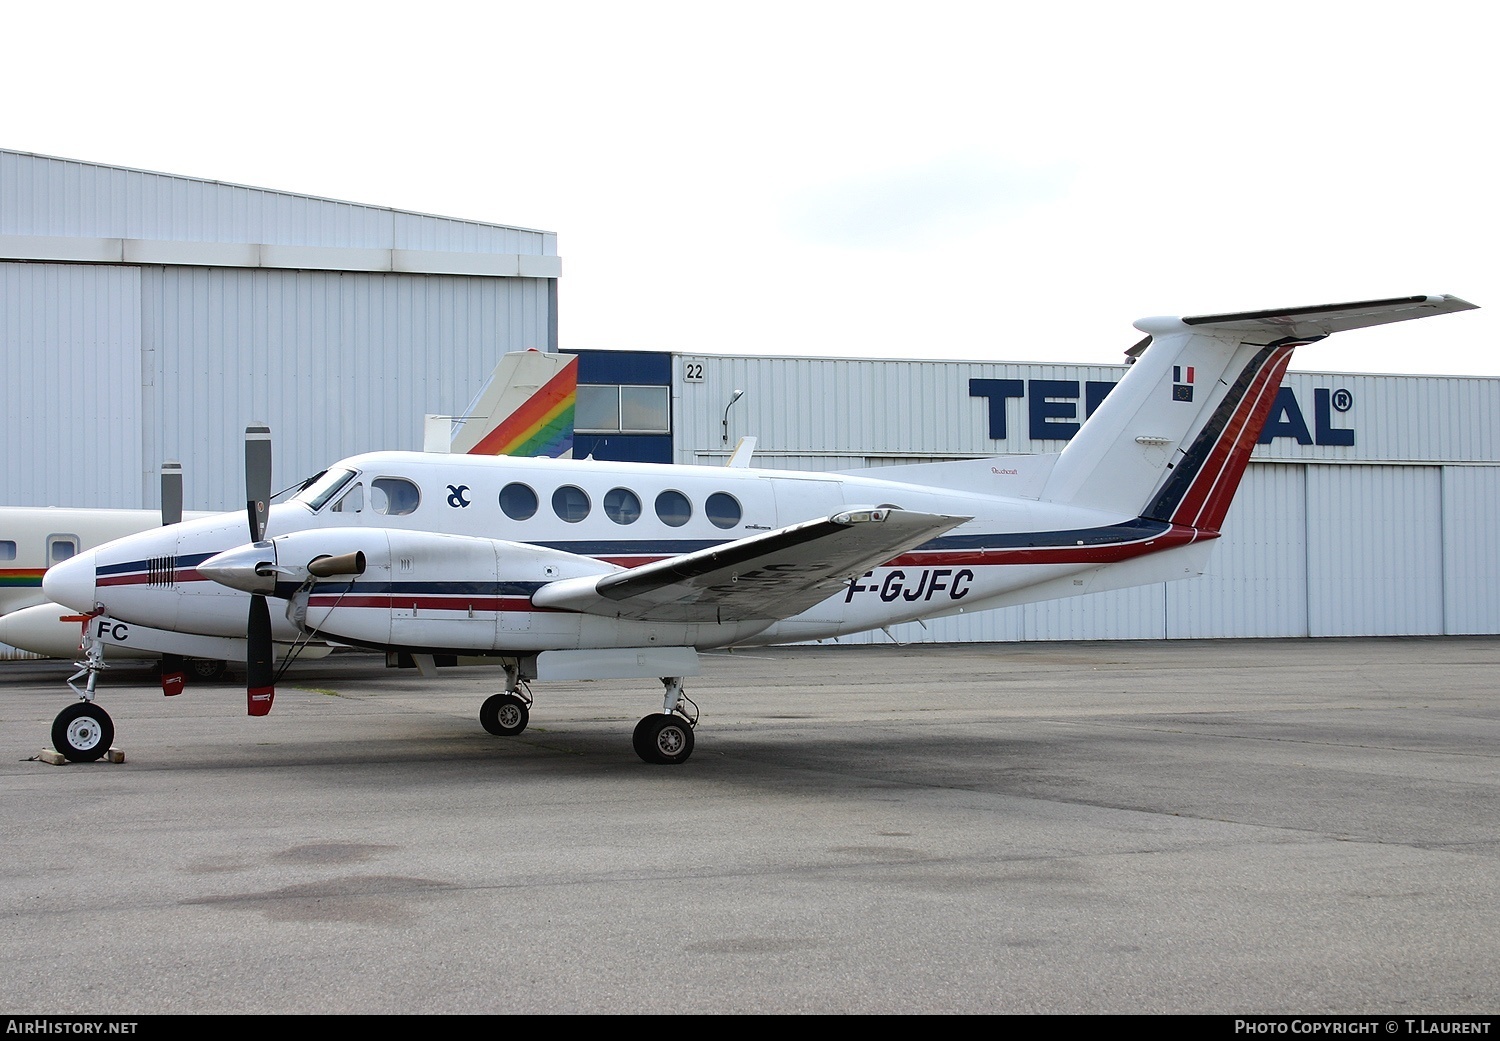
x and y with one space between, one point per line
1182 388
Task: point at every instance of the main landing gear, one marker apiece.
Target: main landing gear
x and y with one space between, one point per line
666 738
209 670
506 715
663 738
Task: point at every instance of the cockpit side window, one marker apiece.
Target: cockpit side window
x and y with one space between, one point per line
394 496
316 495
353 500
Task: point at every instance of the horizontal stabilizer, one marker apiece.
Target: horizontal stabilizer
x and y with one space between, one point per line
770 576
1307 323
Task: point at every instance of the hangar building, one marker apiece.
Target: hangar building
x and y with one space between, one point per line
148 317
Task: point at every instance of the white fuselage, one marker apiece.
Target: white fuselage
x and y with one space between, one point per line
457 545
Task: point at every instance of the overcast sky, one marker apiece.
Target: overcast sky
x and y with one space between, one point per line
1004 181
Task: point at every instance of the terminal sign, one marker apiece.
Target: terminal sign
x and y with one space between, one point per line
1053 410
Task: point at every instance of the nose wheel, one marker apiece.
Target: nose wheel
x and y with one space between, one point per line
83 732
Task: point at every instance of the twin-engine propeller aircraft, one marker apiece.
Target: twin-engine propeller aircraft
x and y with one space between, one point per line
581 569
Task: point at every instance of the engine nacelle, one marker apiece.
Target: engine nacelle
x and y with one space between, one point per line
415 589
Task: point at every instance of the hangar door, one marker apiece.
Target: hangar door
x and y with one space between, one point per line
1471 550
70 341
1374 551
1256 580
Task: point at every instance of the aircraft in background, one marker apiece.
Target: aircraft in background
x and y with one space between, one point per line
593 570
32 539
526 407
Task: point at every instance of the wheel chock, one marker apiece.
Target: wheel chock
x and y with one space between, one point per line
52 757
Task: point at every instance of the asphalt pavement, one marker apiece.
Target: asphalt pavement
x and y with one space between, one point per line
1299 826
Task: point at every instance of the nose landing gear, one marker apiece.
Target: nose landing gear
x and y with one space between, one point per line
83 732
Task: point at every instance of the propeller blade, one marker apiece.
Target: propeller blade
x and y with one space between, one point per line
257 478
173 674
171 492
260 672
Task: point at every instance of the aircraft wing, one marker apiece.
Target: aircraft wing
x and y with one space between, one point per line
769 576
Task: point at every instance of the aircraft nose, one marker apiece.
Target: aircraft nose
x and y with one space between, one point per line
71 583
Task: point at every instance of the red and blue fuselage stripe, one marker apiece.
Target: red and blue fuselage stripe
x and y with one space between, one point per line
1099 545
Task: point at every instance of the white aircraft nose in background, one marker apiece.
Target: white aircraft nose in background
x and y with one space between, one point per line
71 582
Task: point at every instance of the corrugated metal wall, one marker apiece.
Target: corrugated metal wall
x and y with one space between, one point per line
70 341
1471 549
336 363
812 408
1257 580
1392 534
45 196
1375 555
112 367
903 411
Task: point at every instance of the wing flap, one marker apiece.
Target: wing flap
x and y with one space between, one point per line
773 575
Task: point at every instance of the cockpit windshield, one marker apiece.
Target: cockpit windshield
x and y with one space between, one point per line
316 495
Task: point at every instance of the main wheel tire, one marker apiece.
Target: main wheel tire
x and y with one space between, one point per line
663 739
504 715
83 732
640 740
207 670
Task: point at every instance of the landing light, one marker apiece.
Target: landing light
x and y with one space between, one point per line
860 516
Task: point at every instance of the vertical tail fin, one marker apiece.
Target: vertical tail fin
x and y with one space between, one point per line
526 408
1172 440
1202 480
